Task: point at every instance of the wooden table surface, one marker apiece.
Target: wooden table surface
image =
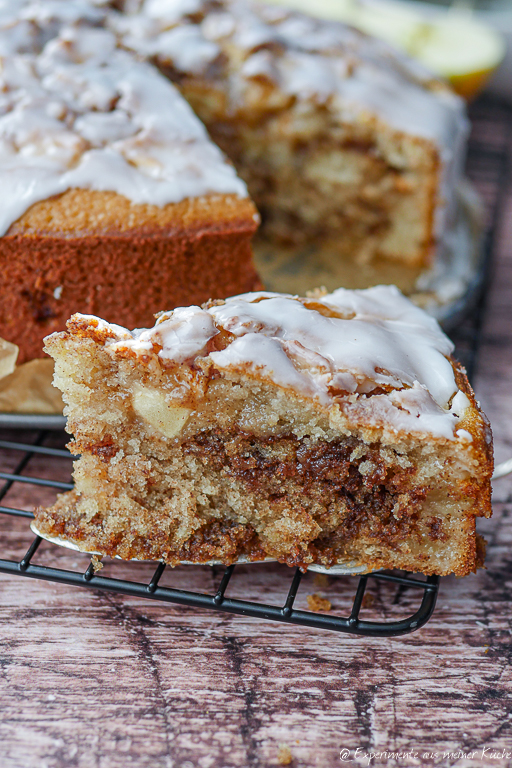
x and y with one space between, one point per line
97 680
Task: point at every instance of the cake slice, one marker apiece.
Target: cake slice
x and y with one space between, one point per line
334 429
114 199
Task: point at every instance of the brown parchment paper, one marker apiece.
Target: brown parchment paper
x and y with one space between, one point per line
27 388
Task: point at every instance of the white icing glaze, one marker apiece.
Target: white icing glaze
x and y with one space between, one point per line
183 335
311 58
171 11
77 112
115 332
266 358
184 45
388 352
360 342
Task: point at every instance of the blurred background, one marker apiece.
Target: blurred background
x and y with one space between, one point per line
468 42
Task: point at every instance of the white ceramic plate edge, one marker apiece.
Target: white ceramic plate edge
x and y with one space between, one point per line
341 569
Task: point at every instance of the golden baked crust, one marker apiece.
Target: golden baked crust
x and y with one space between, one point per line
97 253
89 212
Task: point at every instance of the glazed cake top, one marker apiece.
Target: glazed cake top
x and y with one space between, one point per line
75 111
328 62
371 348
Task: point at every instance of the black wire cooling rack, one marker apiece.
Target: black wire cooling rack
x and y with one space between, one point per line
488 167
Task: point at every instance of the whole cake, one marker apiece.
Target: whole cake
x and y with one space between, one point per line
334 429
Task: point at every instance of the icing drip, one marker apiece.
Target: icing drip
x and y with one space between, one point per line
183 335
371 352
384 351
81 113
184 45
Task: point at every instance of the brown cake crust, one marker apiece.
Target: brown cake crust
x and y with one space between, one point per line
97 253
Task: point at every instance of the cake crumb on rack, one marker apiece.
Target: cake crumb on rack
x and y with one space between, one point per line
284 755
317 603
368 600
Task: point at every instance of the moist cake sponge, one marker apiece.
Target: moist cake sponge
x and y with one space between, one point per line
334 429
